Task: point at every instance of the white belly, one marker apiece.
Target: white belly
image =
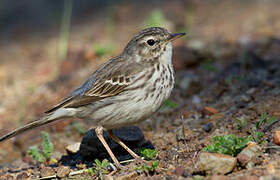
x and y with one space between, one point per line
131 106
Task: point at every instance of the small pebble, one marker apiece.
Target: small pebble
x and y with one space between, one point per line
73 148
46 171
22 176
214 163
207 127
248 155
63 171
209 110
276 137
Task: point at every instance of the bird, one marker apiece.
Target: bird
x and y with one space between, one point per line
125 90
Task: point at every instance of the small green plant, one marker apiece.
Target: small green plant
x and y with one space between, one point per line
101 165
258 137
241 123
149 154
147 168
100 168
35 154
90 171
169 104
256 132
47 149
156 19
265 119
47 146
103 49
228 144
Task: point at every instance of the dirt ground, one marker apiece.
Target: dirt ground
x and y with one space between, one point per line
227 68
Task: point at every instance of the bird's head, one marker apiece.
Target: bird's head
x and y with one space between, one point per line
151 43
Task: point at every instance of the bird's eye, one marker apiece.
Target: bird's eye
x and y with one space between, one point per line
151 42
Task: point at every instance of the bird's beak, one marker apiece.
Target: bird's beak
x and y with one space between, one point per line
175 36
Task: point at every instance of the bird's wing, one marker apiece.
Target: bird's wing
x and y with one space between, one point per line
109 80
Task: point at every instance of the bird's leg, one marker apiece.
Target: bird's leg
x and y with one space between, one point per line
115 138
99 133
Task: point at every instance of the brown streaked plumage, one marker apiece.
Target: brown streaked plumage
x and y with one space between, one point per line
127 89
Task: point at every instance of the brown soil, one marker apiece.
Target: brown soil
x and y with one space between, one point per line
230 57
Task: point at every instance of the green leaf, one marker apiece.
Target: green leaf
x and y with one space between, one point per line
154 165
149 154
47 146
265 119
34 153
271 120
98 163
146 168
258 136
105 163
241 123
227 144
90 171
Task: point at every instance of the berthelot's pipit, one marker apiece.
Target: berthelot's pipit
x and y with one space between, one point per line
125 90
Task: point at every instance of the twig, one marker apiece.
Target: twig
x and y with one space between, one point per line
194 156
272 147
86 170
127 161
268 127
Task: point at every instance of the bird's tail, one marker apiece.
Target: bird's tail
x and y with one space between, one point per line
44 120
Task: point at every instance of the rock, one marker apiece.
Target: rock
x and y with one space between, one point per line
242 100
248 155
251 91
276 137
196 100
92 148
209 110
179 170
73 148
46 171
207 127
245 98
214 163
63 171
22 176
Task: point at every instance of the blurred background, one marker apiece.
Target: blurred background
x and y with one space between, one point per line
47 48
